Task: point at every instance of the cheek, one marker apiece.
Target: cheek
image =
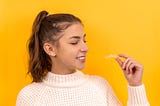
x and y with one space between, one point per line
68 57
68 53
69 50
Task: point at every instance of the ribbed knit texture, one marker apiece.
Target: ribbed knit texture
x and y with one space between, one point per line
137 96
76 89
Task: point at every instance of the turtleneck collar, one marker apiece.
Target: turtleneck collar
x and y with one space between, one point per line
68 80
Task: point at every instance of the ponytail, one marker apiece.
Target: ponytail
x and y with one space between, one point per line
38 59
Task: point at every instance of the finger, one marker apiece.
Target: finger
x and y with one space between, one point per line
119 61
124 63
123 55
131 67
128 64
125 72
138 67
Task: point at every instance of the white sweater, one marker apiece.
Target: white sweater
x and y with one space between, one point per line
76 89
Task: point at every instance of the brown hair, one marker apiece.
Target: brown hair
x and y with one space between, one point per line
46 28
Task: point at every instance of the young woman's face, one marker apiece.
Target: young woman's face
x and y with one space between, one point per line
72 49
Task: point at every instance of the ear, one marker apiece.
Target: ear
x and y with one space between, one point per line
50 49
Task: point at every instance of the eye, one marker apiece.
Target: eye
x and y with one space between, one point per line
74 43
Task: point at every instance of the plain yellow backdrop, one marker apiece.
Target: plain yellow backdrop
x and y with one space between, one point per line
112 26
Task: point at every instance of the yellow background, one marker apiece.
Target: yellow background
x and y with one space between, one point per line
112 26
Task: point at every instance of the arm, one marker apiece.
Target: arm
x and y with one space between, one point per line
137 96
133 73
112 99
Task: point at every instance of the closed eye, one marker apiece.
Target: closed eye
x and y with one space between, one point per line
74 43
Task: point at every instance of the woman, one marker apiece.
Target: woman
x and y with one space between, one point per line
57 52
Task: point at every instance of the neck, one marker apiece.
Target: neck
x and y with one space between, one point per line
70 80
62 71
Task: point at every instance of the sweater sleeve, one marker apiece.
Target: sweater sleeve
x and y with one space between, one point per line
107 91
112 99
137 96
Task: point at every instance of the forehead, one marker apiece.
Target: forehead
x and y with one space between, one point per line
75 29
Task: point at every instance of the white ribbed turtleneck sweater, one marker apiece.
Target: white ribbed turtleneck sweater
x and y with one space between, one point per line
76 89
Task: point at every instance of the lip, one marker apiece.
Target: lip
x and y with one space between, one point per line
81 57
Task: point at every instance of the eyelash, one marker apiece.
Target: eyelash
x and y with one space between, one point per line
74 43
77 43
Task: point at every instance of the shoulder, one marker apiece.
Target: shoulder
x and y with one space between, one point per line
31 89
29 93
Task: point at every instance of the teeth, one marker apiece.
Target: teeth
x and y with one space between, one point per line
81 58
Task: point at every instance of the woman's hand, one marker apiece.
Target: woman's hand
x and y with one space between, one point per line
132 69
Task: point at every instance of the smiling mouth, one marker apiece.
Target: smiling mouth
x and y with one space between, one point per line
81 58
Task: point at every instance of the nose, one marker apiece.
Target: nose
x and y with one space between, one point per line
84 48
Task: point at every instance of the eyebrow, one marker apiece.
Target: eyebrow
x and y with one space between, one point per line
77 37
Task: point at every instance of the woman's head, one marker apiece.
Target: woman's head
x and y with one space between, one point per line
53 44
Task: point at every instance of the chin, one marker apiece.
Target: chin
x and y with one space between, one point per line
80 68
